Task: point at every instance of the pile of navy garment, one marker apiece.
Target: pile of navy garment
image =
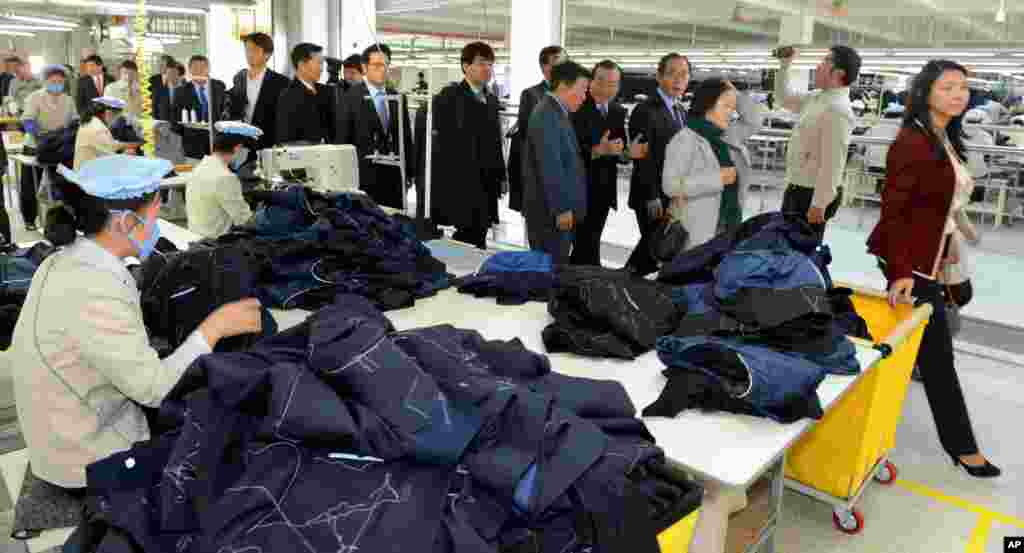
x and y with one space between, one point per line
513 278
608 313
16 271
311 247
764 324
343 435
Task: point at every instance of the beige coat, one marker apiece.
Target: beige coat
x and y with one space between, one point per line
82 363
213 199
94 140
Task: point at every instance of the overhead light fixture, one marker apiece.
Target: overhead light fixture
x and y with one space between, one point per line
40 20
132 8
16 33
946 54
1001 12
34 28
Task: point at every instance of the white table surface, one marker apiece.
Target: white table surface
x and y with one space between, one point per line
725 447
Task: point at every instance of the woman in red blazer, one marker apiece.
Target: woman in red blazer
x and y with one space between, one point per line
926 184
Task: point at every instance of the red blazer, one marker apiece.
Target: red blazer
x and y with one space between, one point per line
919 189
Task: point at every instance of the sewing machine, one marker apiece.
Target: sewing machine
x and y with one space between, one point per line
323 167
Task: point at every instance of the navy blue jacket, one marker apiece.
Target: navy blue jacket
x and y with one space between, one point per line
554 178
337 434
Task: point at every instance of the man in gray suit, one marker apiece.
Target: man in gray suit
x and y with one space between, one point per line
554 179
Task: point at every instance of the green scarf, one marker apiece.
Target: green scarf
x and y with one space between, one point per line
730 214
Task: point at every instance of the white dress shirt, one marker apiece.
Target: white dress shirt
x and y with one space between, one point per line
252 91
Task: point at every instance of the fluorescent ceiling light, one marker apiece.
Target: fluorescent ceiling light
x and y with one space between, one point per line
129 7
34 28
40 20
945 53
741 54
15 33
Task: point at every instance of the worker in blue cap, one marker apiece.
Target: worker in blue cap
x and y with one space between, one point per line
85 367
213 195
94 139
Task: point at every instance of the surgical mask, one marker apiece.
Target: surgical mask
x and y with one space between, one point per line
152 233
55 88
239 159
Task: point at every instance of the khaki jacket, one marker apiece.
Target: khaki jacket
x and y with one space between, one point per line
213 199
94 140
82 364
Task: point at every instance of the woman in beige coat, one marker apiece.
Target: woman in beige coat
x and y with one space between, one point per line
84 366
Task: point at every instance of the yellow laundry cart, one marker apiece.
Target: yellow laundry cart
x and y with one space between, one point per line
677 538
849 446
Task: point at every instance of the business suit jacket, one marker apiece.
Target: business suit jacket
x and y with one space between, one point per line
602 173
264 116
162 103
5 84
528 100
554 179
303 116
657 124
87 90
195 142
360 125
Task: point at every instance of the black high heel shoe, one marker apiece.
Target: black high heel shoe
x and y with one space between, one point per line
988 470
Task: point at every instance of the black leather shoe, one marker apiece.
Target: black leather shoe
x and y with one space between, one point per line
988 470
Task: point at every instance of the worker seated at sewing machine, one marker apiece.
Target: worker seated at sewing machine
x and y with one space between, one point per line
213 195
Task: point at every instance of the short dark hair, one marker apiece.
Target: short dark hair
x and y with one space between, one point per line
373 49
175 65
549 52
13 59
93 59
706 96
474 49
567 73
198 58
303 52
667 60
225 143
261 41
607 64
355 61
847 59
129 64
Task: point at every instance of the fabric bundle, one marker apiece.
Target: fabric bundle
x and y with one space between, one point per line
513 278
764 324
343 435
607 313
16 271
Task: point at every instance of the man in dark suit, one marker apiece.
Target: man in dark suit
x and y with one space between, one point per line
600 126
93 83
655 122
255 91
157 83
304 111
352 70
163 99
468 162
204 97
554 178
370 122
6 75
530 97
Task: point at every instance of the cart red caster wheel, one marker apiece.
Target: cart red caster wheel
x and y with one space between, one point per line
848 522
887 474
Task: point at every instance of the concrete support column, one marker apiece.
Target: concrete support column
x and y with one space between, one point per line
535 24
358 24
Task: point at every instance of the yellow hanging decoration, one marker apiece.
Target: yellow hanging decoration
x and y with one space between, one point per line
146 117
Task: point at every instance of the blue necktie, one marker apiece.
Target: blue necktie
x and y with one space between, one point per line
382 109
204 105
603 109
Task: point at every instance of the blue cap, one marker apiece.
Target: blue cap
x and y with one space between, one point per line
55 68
238 128
110 102
893 107
119 177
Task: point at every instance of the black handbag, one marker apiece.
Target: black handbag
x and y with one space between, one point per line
668 240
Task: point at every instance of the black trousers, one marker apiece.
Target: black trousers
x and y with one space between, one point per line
5 218
27 196
586 249
941 383
641 261
797 201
